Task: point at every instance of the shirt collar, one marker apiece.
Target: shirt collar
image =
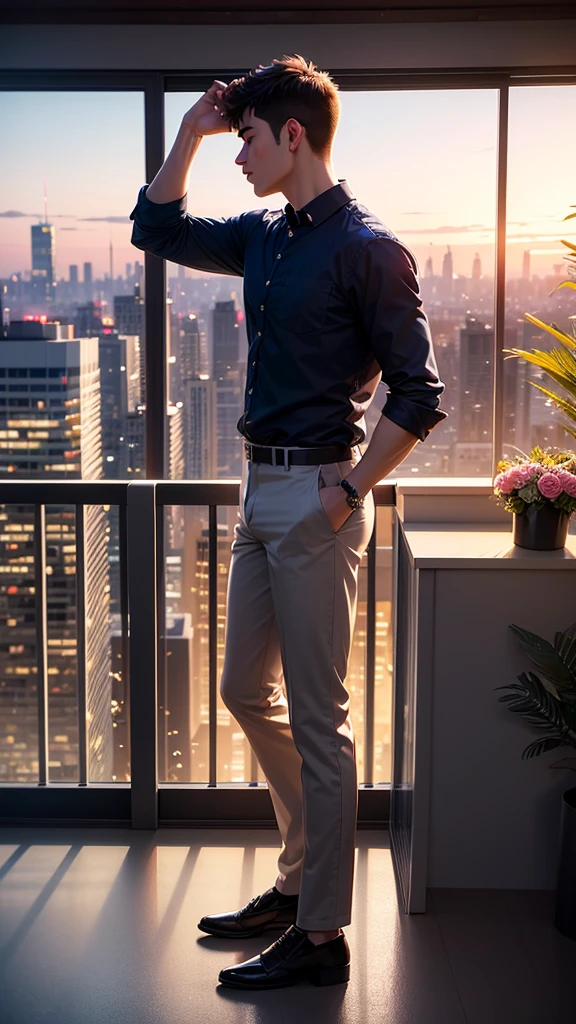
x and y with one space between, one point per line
321 207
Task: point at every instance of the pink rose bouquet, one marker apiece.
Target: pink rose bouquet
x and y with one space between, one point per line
543 477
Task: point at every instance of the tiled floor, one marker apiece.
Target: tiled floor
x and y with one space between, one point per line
98 926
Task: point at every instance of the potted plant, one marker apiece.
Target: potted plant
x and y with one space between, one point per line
540 490
549 705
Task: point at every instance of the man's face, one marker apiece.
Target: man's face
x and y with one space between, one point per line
266 164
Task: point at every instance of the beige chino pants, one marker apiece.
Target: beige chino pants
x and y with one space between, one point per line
291 606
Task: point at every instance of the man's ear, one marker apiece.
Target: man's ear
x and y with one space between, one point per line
296 131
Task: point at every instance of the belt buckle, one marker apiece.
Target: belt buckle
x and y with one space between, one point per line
248 450
275 459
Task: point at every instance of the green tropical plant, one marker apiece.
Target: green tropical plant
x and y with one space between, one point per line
558 363
548 705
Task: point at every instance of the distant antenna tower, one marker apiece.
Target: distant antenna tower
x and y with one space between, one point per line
45 204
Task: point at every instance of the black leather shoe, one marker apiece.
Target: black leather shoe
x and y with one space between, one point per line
292 958
259 915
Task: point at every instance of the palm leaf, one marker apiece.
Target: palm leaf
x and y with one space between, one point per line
546 657
569 245
564 338
530 699
541 746
557 364
562 404
565 644
566 284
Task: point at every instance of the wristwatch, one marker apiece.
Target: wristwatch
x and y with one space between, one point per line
352 496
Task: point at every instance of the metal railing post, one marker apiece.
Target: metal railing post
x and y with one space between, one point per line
41 640
370 659
81 652
142 607
212 641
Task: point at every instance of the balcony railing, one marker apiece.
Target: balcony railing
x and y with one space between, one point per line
142 800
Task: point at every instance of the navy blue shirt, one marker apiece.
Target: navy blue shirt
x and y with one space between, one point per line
332 307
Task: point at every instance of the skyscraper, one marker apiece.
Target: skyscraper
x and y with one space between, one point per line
474 284
229 376
188 343
87 282
129 320
200 429
50 428
225 338
119 357
447 283
43 262
475 382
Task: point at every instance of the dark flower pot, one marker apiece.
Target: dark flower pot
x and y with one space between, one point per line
542 529
565 917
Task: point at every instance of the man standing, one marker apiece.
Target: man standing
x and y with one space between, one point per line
332 306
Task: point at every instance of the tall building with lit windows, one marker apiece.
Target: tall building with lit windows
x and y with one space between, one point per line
199 404
230 376
43 262
50 429
129 320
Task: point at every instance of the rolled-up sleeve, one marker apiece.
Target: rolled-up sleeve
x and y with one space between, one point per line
213 244
387 298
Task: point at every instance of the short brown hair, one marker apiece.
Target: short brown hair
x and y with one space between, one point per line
289 87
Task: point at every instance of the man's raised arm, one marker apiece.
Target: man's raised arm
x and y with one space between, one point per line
206 117
162 225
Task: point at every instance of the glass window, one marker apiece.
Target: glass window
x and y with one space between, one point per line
425 163
71 289
540 195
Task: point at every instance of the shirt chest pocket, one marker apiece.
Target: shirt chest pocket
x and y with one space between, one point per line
305 304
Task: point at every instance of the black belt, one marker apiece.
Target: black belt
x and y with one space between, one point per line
297 456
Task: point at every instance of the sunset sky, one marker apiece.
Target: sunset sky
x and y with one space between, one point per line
424 162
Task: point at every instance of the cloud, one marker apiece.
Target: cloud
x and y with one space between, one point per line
40 216
66 216
445 229
531 235
415 213
109 220
68 229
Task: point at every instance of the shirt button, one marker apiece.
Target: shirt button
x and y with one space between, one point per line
259 334
267 283
254 363
250 390
279 256
262 306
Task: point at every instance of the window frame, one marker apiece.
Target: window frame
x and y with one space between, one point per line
239 801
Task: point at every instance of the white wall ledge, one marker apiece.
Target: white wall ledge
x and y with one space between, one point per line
479 546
